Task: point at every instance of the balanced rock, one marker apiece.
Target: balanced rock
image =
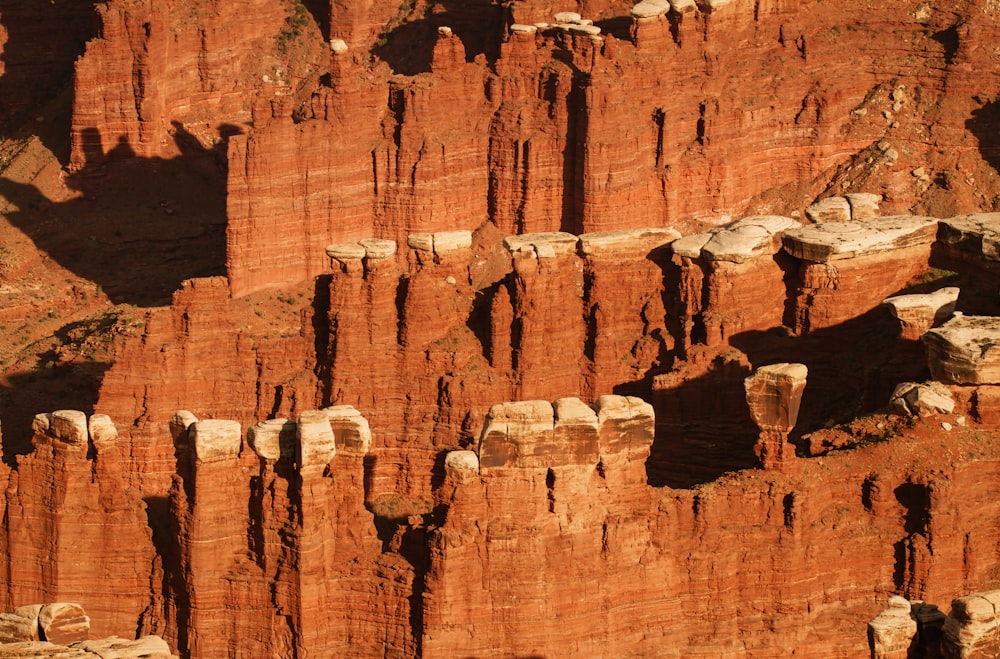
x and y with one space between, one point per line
919 312
774 394
891 632
927 399
965 350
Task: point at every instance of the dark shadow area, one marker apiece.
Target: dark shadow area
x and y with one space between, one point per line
620 27
985 125
71 386
703 427
43 41
320 10
137 227
164 534
407 41
948 38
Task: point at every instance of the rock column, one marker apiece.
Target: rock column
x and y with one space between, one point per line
773 394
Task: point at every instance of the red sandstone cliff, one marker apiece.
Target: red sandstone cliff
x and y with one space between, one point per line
458 225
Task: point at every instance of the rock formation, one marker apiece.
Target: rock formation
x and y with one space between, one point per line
509 356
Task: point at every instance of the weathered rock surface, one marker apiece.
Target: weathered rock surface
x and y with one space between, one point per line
965 350
774 394
919 312
892 632
970 630
915 399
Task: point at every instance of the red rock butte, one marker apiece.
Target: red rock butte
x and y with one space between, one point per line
501 328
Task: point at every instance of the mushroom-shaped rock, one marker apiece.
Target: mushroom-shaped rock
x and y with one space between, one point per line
378 248
918 313
891 632
272 439
69 426
971 629
354 437
746 239
317 446
831 209
863 204
965 350
461 466
346 252
774 394
650 8
927 399
822 243
63 623
103 433
215 440
626 241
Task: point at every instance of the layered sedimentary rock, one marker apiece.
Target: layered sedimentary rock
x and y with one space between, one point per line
65 504
970 630
774 394
962 351
891 632
848 268
918 313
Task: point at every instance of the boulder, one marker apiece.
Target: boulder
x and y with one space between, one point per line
63 623
831 209
863 204
927 399
918 313
774 394
965 350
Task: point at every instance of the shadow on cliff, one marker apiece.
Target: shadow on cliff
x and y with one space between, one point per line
136 227
407 42
37 60
985 125
72 386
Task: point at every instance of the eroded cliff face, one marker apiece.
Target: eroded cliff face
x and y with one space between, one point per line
476 380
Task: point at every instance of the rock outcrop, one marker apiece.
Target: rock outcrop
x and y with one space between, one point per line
774 394
965 350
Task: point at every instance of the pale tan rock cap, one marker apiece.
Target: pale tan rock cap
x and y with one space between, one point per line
965 350
215 440
977 234
626 241
351 430
918 313
831 209
273 439
774 394
651 8
737 242
316 443
102 430
546 244
822 243
461 466
377 248
69 426
971 627
891 632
